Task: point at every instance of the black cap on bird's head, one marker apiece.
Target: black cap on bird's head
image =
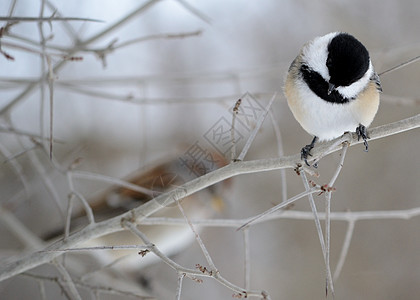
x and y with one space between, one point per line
348 60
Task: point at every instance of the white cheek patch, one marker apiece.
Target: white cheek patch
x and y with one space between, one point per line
355 88
315 54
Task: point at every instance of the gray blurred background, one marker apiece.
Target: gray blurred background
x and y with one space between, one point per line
156 98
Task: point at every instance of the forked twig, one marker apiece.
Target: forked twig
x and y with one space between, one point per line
201 272
283 204
320 234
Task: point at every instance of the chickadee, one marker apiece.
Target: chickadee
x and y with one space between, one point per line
332 88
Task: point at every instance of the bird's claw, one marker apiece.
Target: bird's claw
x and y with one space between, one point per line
306 151
362 133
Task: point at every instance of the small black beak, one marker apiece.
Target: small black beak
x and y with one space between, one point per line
331 87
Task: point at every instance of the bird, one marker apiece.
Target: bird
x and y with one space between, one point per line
331 88
158 177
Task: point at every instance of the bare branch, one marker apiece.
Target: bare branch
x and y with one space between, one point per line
142 212
198 238
294 215
156 37
320 234
68 281
247 258
256 129
46 19
280 152
112 180
194 11
344 250
83 284
25 236
80 44
232 129
179 286
401 65
252 220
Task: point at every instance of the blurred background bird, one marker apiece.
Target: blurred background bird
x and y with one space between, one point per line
158 178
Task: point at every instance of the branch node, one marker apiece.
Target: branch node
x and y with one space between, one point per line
144 252
298 168
241 295
206 271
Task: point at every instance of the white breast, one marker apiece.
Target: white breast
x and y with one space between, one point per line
324 119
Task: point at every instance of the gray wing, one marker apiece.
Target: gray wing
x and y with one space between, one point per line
375 78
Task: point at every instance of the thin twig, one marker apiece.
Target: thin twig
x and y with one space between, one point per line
50 80
320 235
247 259
42 173
43 71
16 167
340 165
401 65
327 217
279 206
156 37
112 180
111 264
25 133
12 8
79 44
88 209
32 50
67 280
15 226
152 248
41 286
329 280
400 100
344 249
333 146
46 19
119 247
198 238
144 100
254 132
194 11
84 284
68 216
123 20
181 277
232 129
292 215
202 271
86 206
280 152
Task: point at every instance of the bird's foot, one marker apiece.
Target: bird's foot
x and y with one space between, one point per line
306 151
362 133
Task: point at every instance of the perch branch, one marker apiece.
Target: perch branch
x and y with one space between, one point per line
140 213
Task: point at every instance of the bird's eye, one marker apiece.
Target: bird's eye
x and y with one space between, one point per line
329 62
